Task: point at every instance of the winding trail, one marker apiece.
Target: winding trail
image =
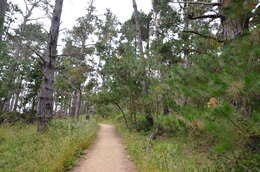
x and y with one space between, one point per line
106 155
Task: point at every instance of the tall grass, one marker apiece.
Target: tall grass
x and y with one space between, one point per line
22 149
164 155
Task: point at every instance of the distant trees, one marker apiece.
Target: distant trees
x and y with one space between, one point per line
16 55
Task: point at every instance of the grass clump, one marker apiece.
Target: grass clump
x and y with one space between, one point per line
22 149
163 154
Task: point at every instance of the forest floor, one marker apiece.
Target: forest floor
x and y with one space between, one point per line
107 154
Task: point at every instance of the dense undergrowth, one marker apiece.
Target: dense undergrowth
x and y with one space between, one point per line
165 154
191 145
23 149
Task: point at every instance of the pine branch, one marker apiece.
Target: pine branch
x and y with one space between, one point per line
212 16
38 54
202 35
202 3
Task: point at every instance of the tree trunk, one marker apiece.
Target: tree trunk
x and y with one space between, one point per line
17 94
74 104
70 104
45 104
33 105
138 30
78 104
233 28
123 113
156 19
186 37
7 105
234 25
3 5
141 54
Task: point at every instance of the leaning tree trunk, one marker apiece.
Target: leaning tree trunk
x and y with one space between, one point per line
45 104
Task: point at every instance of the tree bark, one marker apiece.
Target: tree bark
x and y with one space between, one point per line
73 104
145 84
45 104
138 30
70 104
233 28
186 37
7 105
156 20
78 104
3 5
17 94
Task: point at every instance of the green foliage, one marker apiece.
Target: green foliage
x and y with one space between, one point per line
12 117
105 110
170 124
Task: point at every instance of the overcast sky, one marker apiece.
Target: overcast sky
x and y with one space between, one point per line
122 8
73 9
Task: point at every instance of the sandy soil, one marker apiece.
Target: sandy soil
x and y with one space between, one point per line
106 155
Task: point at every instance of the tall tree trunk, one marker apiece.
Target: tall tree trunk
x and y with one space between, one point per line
156 19
186 37
141 54
138 30
33 105
3 6
45 104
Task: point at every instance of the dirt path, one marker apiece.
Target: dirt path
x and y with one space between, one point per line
106 155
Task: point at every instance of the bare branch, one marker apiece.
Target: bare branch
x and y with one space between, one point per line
39 18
